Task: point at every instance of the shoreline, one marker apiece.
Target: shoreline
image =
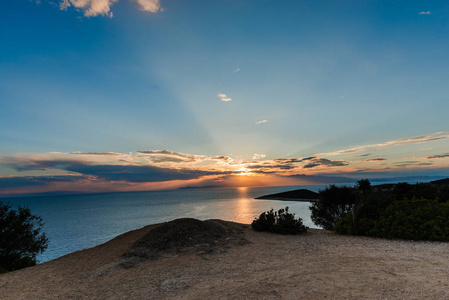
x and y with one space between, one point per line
286 199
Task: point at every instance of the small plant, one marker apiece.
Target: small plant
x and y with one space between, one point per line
281 222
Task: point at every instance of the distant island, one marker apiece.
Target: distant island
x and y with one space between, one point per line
305 195
295 195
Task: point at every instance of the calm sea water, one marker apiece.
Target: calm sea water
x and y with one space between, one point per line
76 222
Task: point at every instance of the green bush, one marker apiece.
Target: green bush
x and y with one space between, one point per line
21 238
411 219
404 190
415 219
281 222
367 214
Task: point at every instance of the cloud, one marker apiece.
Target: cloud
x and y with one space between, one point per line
425 13
14 182
170 156
224 97
293 160
412 163
30 181
283 164
269 167
236 70
261 122
324 162
438 156
375 159
413 140
136 173
319 179
258 156
130 173
97 153
223 158
149 5
92 8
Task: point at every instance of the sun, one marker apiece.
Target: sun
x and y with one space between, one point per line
243 171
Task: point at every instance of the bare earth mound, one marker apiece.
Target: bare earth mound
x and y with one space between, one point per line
316 265
186 235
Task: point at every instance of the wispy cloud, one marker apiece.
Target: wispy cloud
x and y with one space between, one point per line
413 140
438 156
92 8
26 181
236 70
223 158
425 13
261 122
159 156
258 156
113 172
375 159
224 97
153 6
404 164
316 162
97 153
158 169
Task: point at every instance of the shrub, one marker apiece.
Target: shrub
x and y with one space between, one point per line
404 190
415 219
411 219
21 238
367 214
333 204
281 222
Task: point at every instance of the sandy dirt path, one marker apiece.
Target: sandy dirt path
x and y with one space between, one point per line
318 265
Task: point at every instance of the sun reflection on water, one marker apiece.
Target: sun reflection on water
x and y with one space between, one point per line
244 206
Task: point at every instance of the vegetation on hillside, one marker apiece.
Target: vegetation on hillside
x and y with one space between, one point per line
404 211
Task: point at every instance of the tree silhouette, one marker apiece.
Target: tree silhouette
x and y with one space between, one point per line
21 238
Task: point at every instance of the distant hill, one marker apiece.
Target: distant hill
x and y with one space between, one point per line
308 196
295 195
441 181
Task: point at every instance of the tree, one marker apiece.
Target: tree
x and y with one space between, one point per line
364 188
21 238
334 202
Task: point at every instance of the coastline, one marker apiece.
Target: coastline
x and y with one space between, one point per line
316 265
286 199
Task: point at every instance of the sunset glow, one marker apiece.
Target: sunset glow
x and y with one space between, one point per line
100 96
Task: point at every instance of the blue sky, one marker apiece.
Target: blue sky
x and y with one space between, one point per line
316 89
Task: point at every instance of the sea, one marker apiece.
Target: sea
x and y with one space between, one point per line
76 222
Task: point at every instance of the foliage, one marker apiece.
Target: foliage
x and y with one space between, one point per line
367 213
281 222
404 190
364 186
412 219
21 238
334 203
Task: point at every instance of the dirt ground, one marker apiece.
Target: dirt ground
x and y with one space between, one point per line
317 265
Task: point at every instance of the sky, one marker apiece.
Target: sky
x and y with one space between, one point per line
130 95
